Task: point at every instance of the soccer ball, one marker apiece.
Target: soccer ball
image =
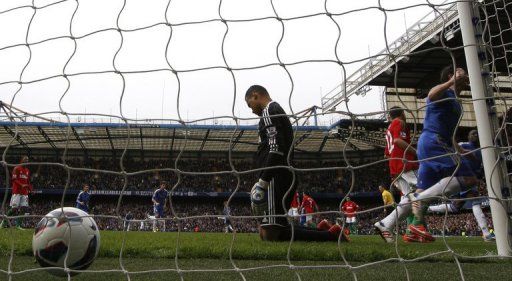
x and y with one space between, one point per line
71 234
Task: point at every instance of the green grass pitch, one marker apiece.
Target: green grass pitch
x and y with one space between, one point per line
144 251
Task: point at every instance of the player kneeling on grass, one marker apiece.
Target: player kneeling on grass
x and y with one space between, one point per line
267 194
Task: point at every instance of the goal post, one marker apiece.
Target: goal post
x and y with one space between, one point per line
487 123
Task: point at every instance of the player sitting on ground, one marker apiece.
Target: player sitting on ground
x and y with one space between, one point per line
438 173
159 200
268 194
21 187
475 162
403 173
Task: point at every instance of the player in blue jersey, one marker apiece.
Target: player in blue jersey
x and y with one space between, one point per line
227 221
159 200
474 161
440 172
82 201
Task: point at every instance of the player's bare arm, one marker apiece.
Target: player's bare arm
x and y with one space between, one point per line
437 91
404 145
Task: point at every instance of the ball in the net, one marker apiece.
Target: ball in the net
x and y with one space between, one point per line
66 236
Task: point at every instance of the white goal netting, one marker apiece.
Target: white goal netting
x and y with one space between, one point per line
184 64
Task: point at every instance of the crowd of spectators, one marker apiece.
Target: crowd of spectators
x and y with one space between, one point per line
464 224
142 175
206 216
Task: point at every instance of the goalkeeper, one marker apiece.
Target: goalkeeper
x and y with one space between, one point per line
268 194
275 140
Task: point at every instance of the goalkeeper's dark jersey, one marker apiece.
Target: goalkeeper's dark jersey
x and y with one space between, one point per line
276 137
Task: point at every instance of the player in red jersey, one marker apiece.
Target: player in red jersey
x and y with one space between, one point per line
349 208
308 207
398 138
293 212
402 171
21 187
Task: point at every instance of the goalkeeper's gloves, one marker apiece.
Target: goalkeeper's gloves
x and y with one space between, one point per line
259 197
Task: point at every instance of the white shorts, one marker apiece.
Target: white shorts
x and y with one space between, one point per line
18 200
407 182
350 219
293 212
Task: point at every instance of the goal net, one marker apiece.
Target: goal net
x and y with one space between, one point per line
91 77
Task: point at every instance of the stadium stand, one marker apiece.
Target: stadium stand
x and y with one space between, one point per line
455 224
316 148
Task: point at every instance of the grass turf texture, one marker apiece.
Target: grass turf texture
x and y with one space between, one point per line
151 251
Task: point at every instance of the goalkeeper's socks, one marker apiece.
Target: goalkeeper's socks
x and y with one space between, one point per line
323 225
335 230
308 234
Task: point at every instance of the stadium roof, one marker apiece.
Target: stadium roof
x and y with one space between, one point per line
420 54
163 137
